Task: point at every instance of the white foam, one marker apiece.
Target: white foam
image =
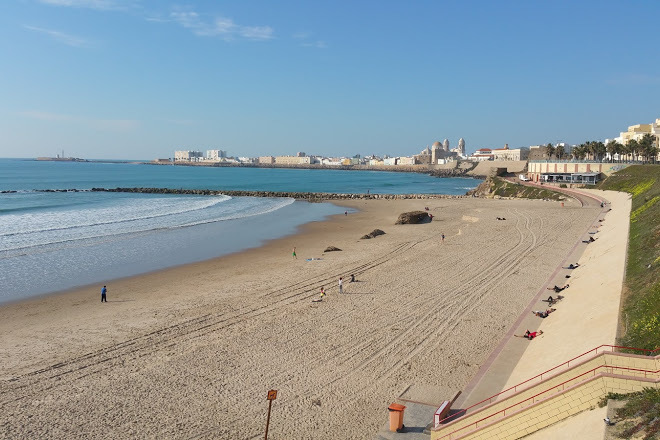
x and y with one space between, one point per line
119 216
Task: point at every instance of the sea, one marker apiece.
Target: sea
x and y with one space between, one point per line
53 241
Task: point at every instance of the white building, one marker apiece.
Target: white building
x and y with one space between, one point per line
215 155
506 154
482 154
188 156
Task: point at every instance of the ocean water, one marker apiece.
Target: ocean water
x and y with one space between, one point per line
51 241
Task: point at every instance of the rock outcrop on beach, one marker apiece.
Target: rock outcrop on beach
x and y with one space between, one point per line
413 218
331 249
373 234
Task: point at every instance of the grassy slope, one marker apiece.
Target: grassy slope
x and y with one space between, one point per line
641 311
501 187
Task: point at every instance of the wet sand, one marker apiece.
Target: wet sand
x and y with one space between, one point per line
190 352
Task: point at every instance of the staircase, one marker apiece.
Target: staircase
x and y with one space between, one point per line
567 389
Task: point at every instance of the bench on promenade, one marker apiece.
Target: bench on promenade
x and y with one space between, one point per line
444 408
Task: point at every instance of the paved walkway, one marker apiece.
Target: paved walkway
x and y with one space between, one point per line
586 318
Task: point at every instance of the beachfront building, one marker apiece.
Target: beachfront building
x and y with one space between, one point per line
266 160
188 156
424 157
482 154
507 154
538 152
460 151
637 132
215 155
567 172
440 153
436 152
348 161
292 160
406 161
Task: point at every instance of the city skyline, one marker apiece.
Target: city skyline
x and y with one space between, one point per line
132 79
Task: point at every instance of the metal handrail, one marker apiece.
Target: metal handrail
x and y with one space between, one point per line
540 375
593 370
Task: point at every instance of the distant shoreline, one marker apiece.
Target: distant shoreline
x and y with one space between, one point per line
436 171
431 170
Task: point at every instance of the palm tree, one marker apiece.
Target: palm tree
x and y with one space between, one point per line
619 149
588 149
611 149
646 146
599 150
633 149
550 150
559 151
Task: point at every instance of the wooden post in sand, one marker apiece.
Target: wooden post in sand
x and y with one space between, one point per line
272 395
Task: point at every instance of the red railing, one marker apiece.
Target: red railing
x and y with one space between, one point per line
611 368
567 364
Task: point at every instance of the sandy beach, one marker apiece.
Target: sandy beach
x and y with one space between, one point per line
190 352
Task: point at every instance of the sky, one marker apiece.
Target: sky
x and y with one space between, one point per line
139 79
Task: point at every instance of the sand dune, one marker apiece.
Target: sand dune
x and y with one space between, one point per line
191 352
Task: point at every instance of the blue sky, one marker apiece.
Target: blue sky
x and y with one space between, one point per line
138 79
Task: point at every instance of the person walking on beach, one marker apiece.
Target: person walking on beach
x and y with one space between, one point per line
294 253
341 285
103 297
443 238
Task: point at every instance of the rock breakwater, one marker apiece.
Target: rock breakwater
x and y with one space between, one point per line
309 196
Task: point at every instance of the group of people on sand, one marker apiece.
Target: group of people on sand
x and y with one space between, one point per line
552 300
340 284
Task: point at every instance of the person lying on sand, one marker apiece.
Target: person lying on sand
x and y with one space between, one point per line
573 266
558 289
530 335
591 240
542 314
552 300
